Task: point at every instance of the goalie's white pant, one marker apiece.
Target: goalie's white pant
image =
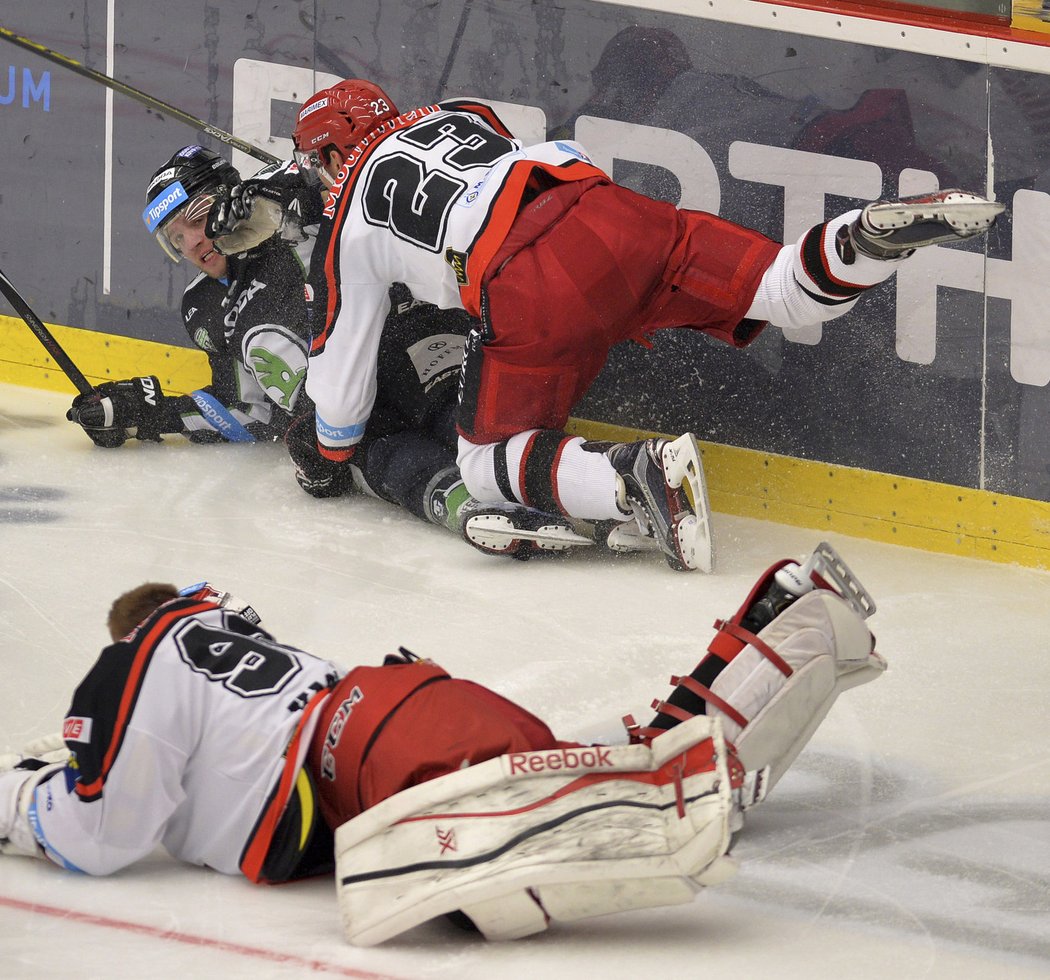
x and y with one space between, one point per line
531 837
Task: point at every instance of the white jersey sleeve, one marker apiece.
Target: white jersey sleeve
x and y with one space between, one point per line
342 382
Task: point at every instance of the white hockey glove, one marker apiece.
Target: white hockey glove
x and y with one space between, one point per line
20 775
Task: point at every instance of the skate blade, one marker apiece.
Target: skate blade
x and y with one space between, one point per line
831 567
499 533
683 468
630 540
964 213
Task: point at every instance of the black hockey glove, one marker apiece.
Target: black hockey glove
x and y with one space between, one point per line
106 413
318 476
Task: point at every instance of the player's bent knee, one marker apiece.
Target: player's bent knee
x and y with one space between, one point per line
534 837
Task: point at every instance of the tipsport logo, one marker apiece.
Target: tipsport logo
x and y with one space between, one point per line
157 210
30 93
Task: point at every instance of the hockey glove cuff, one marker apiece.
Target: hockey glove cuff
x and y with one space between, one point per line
318 476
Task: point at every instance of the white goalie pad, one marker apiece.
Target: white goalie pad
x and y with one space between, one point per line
531 837
829 650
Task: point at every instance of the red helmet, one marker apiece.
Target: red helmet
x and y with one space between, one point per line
340 117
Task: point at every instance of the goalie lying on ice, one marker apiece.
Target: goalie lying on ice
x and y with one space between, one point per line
428 794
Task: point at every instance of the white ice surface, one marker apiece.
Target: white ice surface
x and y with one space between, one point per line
911 838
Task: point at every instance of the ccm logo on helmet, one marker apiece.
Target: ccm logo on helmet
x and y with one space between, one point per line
527 763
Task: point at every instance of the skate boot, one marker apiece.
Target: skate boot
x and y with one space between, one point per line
662 483
516 531
892 229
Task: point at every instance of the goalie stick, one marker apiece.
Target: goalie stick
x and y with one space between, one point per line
52 346
139 96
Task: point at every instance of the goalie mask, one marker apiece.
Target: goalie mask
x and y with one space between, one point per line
206 592
338 118
186 185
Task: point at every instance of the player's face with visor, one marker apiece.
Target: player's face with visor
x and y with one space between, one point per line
183 236
318 164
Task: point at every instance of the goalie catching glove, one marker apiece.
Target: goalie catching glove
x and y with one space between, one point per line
114 407
20 775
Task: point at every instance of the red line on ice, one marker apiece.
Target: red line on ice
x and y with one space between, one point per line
190 940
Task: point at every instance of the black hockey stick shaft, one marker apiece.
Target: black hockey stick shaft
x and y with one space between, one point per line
139 96
52 346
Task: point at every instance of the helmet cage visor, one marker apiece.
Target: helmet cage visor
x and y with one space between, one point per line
311 166
191 215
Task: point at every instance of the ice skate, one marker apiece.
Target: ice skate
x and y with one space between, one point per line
662 483
624 537
515 531
890 229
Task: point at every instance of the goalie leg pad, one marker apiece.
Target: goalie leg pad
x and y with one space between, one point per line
827 649
531 837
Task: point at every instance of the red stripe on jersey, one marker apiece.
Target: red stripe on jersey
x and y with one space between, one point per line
130 694
336 455
485 112
259 845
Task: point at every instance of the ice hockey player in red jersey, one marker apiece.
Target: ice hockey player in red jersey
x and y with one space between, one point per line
429 795
559 264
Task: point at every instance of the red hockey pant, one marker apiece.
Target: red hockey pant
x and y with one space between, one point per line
385 729
579 273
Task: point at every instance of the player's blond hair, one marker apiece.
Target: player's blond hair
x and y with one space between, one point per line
134 606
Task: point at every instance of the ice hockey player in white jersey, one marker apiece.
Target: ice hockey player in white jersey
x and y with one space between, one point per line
559 264
428 794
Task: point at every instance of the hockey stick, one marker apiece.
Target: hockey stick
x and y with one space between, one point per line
454 49
52 346
147 100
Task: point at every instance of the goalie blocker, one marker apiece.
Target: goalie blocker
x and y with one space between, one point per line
570 833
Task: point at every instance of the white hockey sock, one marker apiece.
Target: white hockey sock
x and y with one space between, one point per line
558 474
808 283
586 483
